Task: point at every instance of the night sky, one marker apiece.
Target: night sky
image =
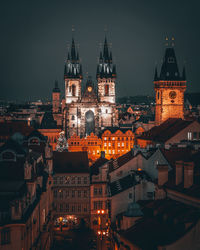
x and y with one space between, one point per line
35 36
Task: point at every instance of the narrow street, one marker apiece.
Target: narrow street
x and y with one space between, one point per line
76 239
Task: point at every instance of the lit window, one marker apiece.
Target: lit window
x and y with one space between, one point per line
113 138
189 136
105 144
109 151
105 138
118 144
109 144
113 151
122 144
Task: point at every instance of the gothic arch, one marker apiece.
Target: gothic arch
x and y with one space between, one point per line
89 122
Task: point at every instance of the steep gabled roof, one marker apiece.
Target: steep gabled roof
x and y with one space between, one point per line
117 163
166 130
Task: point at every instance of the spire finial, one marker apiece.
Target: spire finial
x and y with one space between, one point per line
166 41
73 28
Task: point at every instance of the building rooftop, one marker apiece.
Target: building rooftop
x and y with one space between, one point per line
166 130
164 222
70 162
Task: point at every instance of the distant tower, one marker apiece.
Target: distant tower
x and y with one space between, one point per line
72 76
106 76
169 89
56 98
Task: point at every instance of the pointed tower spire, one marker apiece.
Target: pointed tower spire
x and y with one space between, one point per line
56 88
156 74
105 51
68 57
184 74
73 50
77 56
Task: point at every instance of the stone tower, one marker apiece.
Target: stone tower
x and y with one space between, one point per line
106 76
72 76
169 88
56 98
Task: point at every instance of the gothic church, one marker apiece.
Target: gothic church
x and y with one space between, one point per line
88 111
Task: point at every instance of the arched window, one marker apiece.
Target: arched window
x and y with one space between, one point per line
106 89
158 95
73 90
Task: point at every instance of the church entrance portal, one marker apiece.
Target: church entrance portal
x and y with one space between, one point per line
89 122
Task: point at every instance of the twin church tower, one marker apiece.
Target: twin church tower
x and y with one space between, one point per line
94 109
88 111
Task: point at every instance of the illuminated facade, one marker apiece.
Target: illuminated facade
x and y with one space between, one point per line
169 89
91 144
89 112
117 143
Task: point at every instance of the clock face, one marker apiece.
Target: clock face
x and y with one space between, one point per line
89 89
172 94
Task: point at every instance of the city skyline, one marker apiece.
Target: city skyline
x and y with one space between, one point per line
36 39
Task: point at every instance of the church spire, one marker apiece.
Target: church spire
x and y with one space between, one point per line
184 74
156 74
105 68
73 68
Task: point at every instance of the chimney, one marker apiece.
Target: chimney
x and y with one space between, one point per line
188 174
179 172
102 154
162 174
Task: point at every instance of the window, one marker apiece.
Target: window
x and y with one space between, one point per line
130 196
189 136
73 208
73 193
85 180
5 236
73 90
61 180
79 180
55 180
61 207
194 135
100 190
106 89
67 207
73 118
55 193
95 191
105 144
79 208
66 193
79 193
73 180
85 193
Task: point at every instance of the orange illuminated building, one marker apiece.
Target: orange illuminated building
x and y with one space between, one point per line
91 144
169 88
52 135
116 143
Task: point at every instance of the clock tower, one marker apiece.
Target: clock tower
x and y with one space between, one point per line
169 88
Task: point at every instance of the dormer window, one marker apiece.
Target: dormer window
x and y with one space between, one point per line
34 141
170 60
8 156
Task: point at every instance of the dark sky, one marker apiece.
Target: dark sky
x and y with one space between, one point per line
35 34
